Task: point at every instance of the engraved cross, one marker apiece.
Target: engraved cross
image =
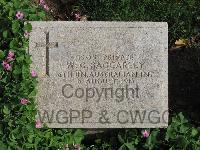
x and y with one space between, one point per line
47 45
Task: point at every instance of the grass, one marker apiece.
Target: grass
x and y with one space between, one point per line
183 16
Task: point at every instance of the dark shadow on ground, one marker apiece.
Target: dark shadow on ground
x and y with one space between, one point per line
184 82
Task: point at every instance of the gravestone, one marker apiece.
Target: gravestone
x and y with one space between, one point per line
101 74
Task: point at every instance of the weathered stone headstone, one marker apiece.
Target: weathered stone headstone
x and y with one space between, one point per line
101 74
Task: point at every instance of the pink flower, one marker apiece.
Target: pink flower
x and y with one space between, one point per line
77 16
38 124
6 66
46 7
42 2
26 34
10 56
33 73
9 59
145 133
19 15
24 101
67 147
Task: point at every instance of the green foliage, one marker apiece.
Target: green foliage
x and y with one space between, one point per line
17 125
183 17
180 134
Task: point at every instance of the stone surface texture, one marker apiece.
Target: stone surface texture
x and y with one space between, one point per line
101 74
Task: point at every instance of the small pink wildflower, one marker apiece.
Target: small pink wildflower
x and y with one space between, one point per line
46 7
10 56
145 133
67 147
42 2
19 15
23 101
77 16
9 59
6 66
38 124
26 34
33 73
